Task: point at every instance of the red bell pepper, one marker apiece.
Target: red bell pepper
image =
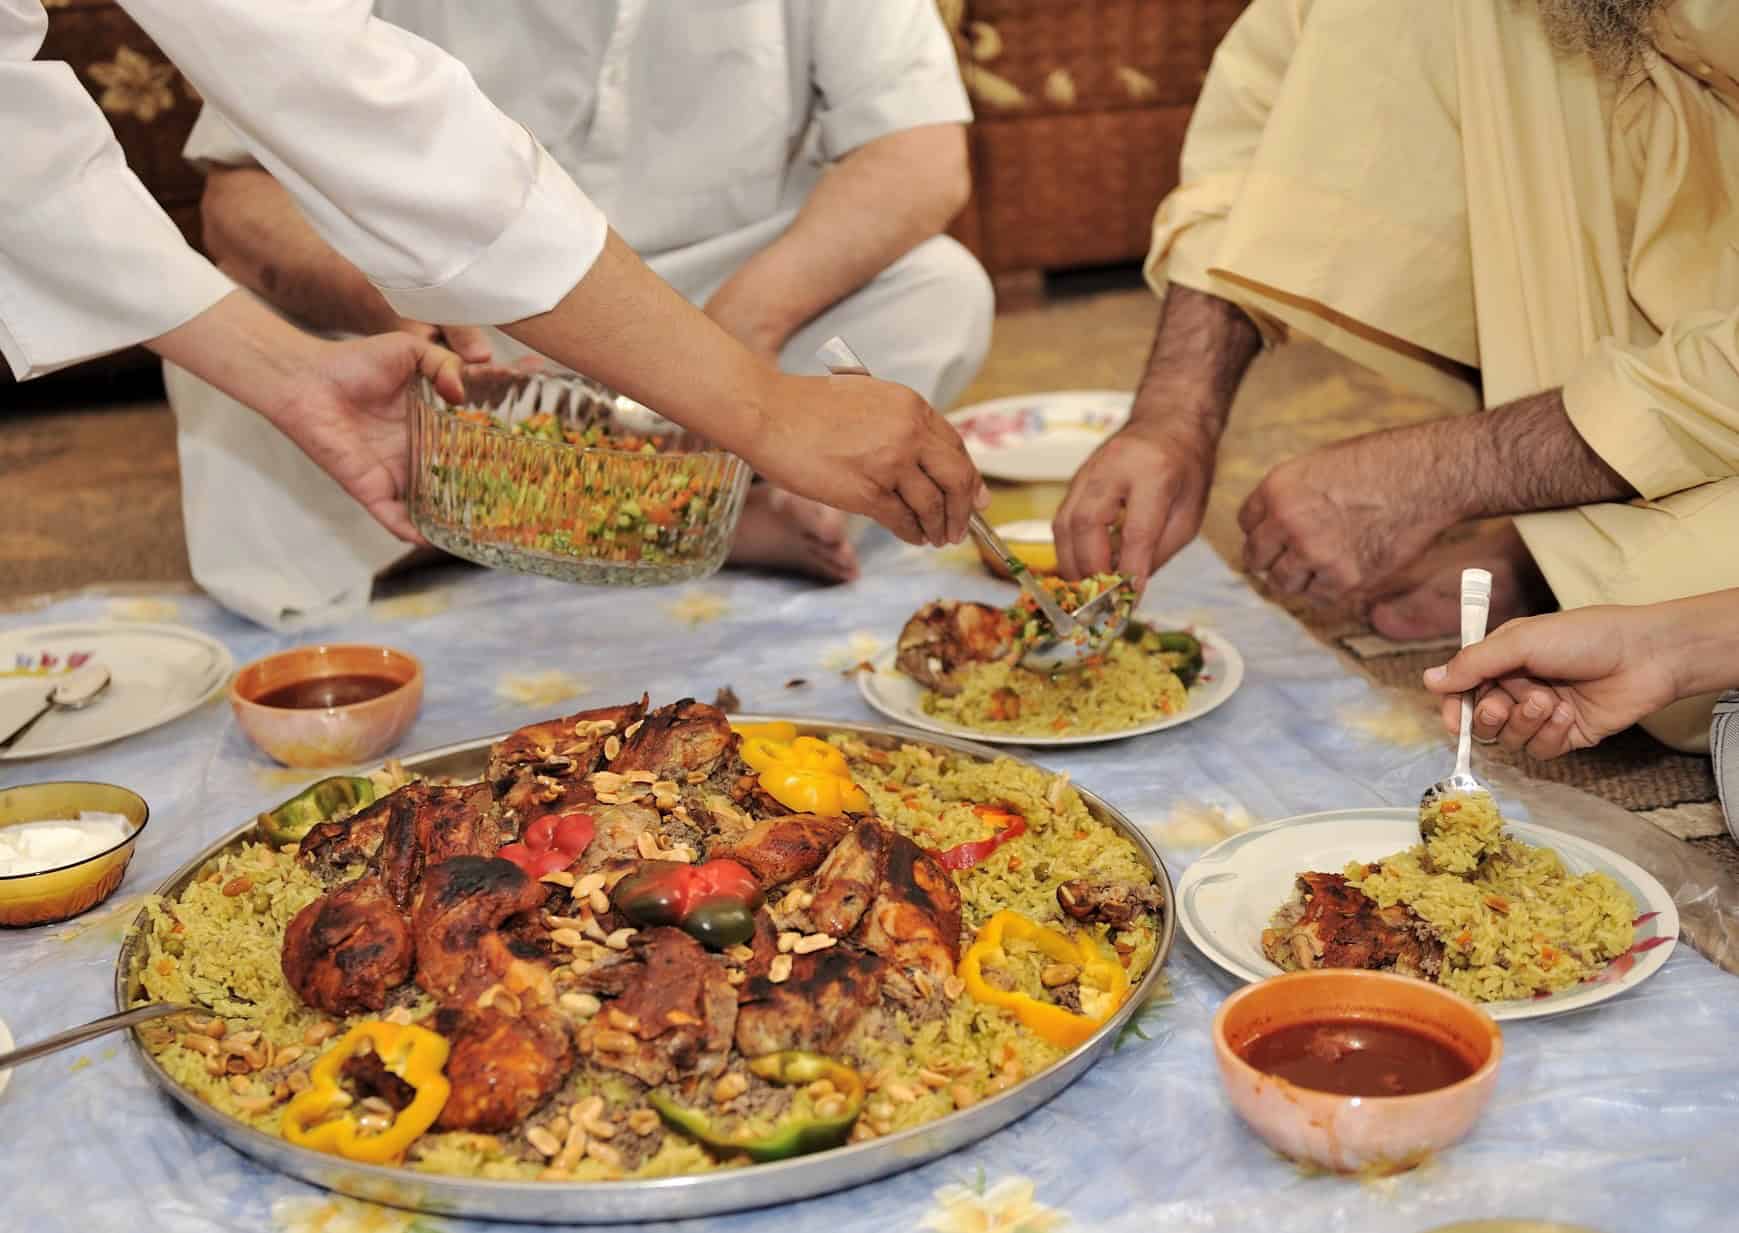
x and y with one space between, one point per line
966 855
551 842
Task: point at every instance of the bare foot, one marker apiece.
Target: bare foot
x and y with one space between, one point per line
1427 604
793 534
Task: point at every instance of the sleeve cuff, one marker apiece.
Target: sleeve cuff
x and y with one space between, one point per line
547 249
911 105
1613 404
213 142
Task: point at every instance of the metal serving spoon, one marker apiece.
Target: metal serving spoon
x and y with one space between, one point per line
75 693
1475 608
96 1027
1066 648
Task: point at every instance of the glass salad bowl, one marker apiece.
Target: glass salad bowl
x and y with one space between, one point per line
546 472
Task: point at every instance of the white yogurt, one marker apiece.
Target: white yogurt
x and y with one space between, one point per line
32 847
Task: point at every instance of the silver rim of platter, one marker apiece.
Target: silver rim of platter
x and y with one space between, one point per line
673 1198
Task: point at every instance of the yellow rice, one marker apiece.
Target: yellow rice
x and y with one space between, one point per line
222 952
1131 687
1516 923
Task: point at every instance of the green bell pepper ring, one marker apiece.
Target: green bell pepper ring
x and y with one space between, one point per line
795 1136
318 803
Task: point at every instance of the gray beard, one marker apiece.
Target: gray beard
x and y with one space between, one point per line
1613 33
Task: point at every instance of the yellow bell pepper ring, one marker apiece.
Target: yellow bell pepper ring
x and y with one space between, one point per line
323 1117
805 774
1056 1024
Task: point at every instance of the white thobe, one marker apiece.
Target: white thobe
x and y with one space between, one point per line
700 128
398 159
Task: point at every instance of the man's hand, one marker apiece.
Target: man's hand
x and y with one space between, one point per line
869 447
1155 480
469 342
347 411
1333 523
1564 681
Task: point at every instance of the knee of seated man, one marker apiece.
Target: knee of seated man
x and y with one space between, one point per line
942 273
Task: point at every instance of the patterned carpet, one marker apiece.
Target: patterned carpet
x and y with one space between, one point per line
91 478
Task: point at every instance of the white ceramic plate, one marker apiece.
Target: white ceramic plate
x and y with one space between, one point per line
1035 438
158 673
900 698
1227 896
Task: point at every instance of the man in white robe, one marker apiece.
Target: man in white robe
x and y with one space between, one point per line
788 165
1521 205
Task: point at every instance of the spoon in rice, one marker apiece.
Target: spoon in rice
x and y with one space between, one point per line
1475 609
1075 637
96 1027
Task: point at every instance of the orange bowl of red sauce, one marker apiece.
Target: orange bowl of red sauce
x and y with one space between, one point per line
321 706
1353 1071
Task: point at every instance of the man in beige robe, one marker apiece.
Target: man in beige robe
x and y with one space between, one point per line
1522 205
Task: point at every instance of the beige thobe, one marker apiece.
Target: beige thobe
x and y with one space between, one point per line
1424 186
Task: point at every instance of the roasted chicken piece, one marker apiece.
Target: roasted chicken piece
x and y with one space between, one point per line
501 1067
946 635
895 900
465 935
676 741
571 745
815 1008
1329 923
330 848
617 838
346 950
1116 904
675 1015
782 850
441 824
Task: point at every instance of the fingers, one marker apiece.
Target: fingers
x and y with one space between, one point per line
1289 574
1263 544
928 506
1253 512
1555 735
393 515
470 342
949 467
1503 653
1491 713
890 509
1082 529
444 371
1144 520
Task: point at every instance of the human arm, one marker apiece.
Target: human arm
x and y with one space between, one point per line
889 114
256 234
1154 473
342 403
1337 521
870 209
858 444
1569 680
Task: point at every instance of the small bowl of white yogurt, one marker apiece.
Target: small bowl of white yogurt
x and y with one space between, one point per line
64 848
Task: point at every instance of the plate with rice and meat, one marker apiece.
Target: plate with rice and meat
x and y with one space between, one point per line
647 963
1526 920
956 670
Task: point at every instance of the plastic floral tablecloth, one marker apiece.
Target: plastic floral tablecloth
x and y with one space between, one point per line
1620 1118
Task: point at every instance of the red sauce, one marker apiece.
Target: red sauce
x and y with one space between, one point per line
1357 1057
318 692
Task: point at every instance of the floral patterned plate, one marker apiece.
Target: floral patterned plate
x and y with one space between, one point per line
156 672
1228 894
1039 438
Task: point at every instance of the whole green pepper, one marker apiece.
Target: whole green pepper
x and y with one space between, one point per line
795 1136
315 804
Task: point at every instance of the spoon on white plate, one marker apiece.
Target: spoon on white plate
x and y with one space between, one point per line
82 687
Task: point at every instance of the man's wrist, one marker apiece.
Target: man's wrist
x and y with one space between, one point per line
1698 638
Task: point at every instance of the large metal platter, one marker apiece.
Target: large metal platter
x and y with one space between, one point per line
673 1198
